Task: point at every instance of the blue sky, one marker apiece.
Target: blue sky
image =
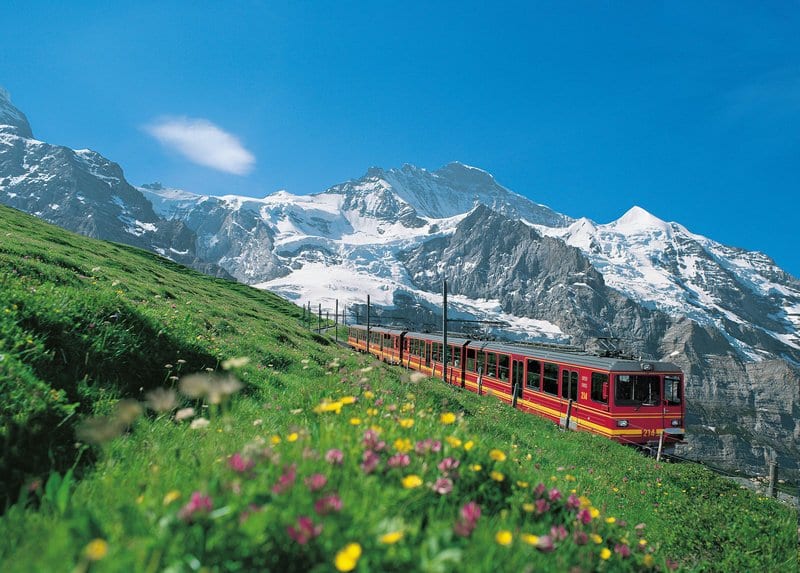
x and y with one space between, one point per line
689 110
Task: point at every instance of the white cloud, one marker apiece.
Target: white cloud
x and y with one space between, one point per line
202 142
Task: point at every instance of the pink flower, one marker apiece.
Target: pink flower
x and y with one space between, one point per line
585 516
372 442
369 461
286 481
448 465
199 504
554 494
573 502
470 513
545 544
622 550
539 490
427 446
580 537
443 486
558 533
305 530
334 457
542 506
316 482
240 464
398 461
328 504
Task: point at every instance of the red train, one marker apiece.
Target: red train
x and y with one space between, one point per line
628 401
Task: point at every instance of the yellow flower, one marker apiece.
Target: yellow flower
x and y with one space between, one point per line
569 477
476 467
497 455
406 422
596 538
171 496
391 538
611 519
348 400
372 411
468 445
615 489
275 440
529 507
496 476
369 394
530 539
605 553
403 445
347 558
453 441
594 512
355 421
412 481
447 418
96 549
522 484
648 560
292 437
504 537
642 542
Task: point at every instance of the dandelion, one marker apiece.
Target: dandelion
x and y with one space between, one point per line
184 414
275 439
504 537
476 467
648 560
161 400
199 424
605 553
328 504
497 476
522 484
369 394
355 421
497 455
528 507
402 445
172 495
96 549
372 412
468 445
292 437
391 538
447 418
348 400
596 539
453 442
594 512
611 520
529 538
199 504
304 531
347 559
406 422
411 481
334 457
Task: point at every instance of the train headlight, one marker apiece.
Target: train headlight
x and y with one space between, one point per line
675 423
622 423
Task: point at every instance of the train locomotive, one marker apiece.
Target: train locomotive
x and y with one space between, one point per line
629 401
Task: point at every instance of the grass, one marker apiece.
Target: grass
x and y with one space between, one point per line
305 468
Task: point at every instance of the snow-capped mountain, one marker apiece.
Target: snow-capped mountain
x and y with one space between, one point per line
730 318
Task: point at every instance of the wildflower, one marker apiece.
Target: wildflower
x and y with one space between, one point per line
348 400
417 377
347 558
372 412
648 560
286 480
328 504
622 550
443 486
468 445
411 481
611 520
232 363
554 495
171 496
369 394
595 538
199 504
476 467
275 440
605 553
96 549
539 489
402 445
504 537
522 484
334 457
240 464
580 537
369 461
584 516
545 544
497 476
447 418
326 406
391 538
594 512
558 532
497 455
305 530
427 446
468 519
316 482
161 400
199 424
372 441
453 441
195 385
529 507
258 422
398 461
292 437
542 506
448 465
405 422
529 539
573 503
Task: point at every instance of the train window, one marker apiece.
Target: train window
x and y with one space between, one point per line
502 367
600 387
435 352
550 378
534 380
455 356
672 390
569 385
491 364
481 365
470 359
637 390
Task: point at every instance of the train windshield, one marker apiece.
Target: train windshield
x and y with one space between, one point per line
672 390
637 390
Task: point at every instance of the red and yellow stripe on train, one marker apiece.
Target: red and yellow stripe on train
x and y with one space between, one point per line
629 401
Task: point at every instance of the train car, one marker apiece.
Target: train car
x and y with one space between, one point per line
629 401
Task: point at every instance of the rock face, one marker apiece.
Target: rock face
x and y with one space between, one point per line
730 318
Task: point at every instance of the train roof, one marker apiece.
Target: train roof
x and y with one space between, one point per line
578 359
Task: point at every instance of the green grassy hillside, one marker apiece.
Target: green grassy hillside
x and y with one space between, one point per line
300 455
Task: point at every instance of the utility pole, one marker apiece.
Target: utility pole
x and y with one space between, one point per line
319 319
367 324
444 330
336 322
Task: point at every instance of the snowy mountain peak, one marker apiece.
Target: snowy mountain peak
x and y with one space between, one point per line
11 118
638 220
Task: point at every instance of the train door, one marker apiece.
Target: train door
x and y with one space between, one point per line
428 353
517 379
569 397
